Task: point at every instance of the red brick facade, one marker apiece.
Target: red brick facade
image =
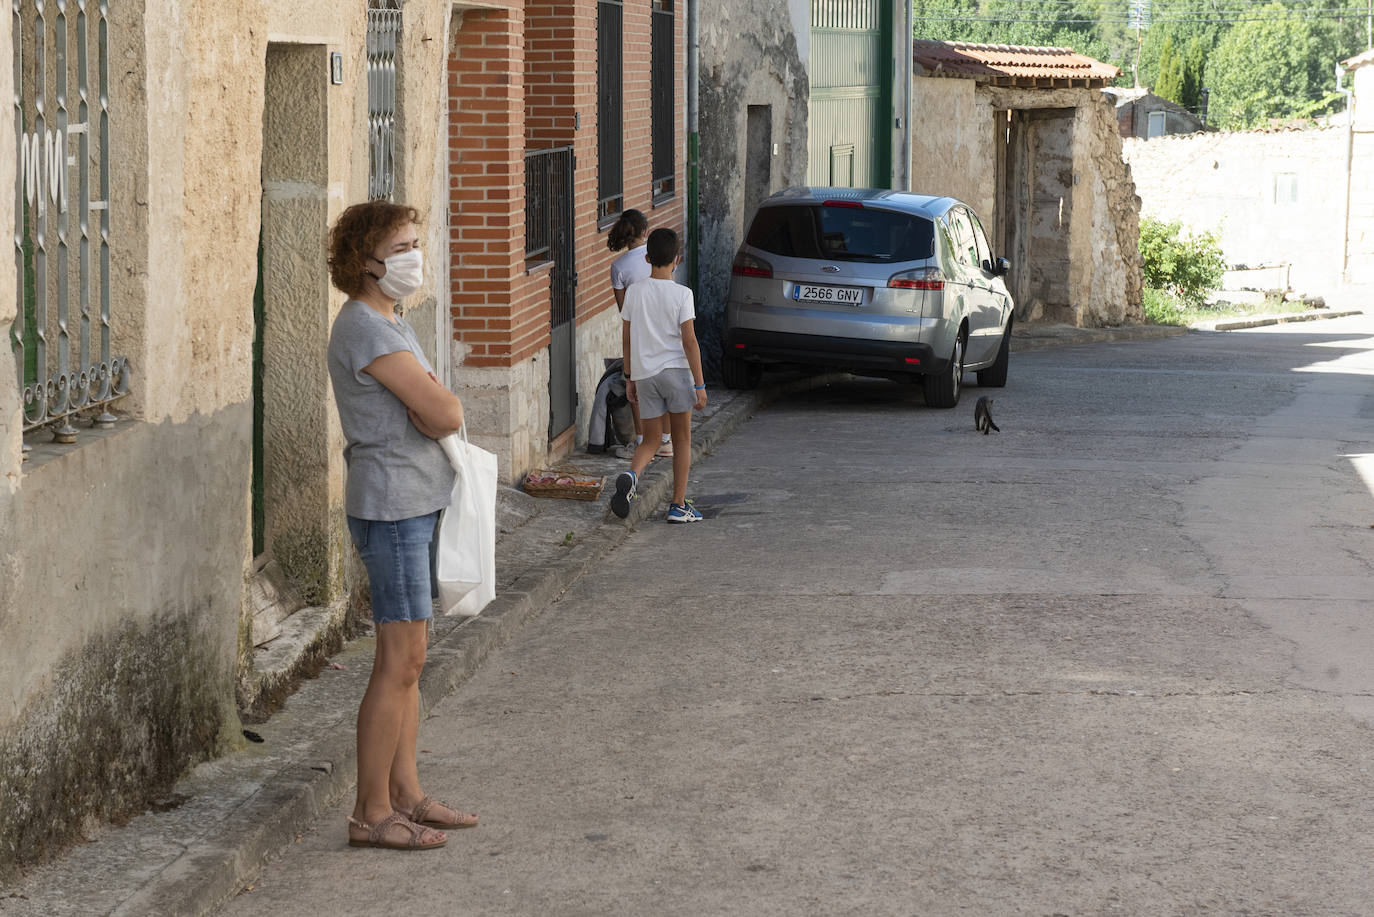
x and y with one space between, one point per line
495 308
525 78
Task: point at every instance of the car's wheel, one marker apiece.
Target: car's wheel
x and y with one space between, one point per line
740 374
942 389
995 376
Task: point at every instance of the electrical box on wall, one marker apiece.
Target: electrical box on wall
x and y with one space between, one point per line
336 68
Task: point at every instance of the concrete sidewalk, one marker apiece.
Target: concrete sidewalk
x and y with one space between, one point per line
229 816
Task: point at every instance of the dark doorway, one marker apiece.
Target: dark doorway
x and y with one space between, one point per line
758 157
549 238
1038 211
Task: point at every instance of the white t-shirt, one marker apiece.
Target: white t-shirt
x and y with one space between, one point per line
630 267
656 310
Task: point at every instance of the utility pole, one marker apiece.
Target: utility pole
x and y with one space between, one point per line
1140 19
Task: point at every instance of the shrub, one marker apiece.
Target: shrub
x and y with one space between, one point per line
1189 266
1161 307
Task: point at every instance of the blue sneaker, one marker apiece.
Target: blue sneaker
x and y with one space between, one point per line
683 512
624 494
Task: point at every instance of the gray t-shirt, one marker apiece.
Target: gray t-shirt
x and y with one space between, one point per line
394 470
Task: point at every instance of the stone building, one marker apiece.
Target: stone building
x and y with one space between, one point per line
171 527
1141 113
1026 136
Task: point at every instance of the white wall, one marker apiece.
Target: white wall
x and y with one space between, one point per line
1229 182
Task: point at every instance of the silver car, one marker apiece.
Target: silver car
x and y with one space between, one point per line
877 283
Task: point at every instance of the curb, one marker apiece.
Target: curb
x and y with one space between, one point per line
1241 324
1039 337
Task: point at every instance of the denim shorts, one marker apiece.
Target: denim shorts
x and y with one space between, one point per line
671 391
399 557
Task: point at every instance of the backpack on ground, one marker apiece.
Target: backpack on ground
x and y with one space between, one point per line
612 421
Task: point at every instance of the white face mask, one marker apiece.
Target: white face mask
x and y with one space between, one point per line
404 274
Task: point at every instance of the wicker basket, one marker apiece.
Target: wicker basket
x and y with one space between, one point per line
566 484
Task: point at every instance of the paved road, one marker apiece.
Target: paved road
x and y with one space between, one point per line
1112 660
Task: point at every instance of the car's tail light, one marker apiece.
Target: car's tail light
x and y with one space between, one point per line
925 278
746 265
852 205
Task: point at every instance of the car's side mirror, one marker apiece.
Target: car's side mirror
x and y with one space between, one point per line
1003 265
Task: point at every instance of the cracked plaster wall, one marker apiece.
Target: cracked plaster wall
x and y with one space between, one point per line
751 54
124 559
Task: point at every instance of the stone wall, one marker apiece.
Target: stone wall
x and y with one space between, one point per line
953 127
1105 239
1273 196
752 60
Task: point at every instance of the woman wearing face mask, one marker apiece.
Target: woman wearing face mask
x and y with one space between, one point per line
392 408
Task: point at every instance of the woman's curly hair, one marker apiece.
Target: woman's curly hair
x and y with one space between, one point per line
356 235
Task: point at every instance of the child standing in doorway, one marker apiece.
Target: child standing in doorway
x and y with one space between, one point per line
658 333
630 232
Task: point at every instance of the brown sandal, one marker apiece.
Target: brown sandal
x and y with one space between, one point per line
422 808
376 834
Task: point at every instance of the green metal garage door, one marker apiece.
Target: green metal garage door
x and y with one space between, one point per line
851 93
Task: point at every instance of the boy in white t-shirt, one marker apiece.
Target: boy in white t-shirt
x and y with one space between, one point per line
664 372
631 232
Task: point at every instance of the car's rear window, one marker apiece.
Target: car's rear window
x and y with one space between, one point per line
842 234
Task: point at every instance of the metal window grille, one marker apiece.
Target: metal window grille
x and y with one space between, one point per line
539 166
664 93
548 202
609 140
61 339
383 38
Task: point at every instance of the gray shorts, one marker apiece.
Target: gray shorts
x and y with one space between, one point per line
670 392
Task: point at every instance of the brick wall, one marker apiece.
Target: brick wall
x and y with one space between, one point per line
525 79
593 258
498 314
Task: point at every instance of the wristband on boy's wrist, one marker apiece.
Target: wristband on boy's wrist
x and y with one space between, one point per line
699 387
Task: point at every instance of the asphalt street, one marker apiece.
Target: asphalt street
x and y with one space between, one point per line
1114 659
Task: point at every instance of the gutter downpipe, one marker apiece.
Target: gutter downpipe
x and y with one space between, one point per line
693 109
1349 151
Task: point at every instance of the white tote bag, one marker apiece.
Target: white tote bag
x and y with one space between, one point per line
466 562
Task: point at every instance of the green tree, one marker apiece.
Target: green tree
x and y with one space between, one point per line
1170 83
1194 74
1263 68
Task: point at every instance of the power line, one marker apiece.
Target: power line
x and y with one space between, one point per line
1115 21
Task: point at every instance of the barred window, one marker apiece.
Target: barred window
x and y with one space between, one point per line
383 38
62 240
610 181
664 95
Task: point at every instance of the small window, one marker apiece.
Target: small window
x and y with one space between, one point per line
610 140
1285 187
383 41
664 97
842 165
842 234
1158 124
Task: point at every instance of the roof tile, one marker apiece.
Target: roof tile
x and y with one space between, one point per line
1011 64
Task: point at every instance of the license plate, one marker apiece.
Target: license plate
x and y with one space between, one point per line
806 292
